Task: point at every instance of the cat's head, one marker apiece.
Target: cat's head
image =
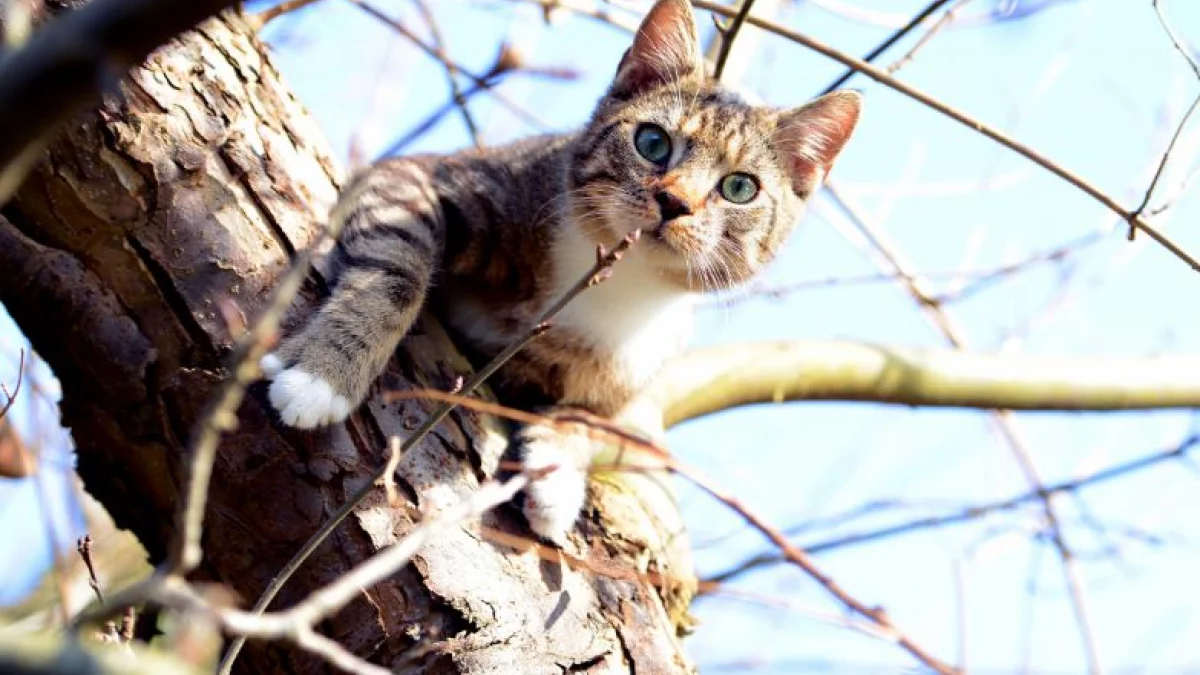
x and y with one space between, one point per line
715 184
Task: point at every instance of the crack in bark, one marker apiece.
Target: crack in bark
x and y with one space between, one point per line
178 304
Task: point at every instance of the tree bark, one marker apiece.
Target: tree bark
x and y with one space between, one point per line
173 207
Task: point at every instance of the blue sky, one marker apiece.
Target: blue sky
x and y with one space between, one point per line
1093 84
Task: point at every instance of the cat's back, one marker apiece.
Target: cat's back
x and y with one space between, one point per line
502 206
515 182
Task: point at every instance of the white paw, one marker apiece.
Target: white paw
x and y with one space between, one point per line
271 366
553 502
305 400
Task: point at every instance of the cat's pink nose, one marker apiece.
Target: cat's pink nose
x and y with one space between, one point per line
671 206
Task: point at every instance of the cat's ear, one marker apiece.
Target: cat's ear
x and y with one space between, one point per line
809 138
665 49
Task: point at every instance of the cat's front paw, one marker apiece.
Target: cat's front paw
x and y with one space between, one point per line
302 399
553 501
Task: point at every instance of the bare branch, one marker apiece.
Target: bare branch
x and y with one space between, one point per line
503 66
970 513
480 81
891 40
1134 219
296 624
1187 115
944 20
456 94
257 21
729 33
802 560
718 378
12 397
975 280
84 547
1004 422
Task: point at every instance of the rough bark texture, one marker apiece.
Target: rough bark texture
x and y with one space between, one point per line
187 193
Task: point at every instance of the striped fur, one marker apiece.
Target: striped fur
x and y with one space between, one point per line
491 237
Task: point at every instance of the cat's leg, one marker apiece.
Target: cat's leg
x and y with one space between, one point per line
384 259
565 447
562 455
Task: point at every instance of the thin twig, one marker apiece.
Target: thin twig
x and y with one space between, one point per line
944 20
297 623
997 13
493 77
430 121
1166 156
1179 191
599 428
1006 424
976 280
970 513
477 80
604 263
393 463
1003 419
886 44
799 558
728 35
257 21
11 398
84 547
1136 220
833 618
456 94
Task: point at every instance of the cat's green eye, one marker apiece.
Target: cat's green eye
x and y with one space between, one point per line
653 143
739 188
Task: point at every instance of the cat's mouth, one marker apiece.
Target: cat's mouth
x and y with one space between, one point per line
678 236
669 243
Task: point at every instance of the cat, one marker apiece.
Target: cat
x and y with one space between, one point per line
714 184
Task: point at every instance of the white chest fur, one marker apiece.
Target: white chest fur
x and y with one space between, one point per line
637 316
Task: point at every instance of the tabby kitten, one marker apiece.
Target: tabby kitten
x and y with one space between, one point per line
714 184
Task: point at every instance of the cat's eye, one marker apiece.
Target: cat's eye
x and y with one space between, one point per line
653 143
739 188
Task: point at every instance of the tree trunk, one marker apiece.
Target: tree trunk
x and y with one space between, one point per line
154 220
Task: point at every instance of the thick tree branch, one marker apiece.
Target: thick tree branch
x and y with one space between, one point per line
718 378
133 258
605 260
68 64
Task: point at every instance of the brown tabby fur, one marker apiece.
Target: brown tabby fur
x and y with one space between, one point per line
493 236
